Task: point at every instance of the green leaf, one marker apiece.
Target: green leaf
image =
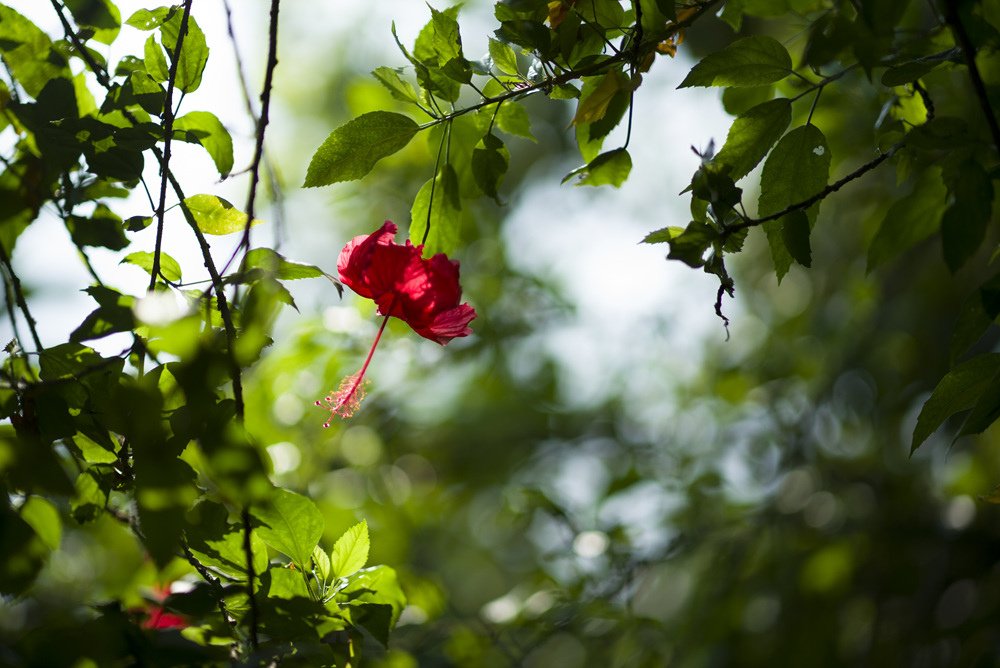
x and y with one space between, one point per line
103 229
503 57
29 53
795 235
352 150
285 583
490 160
907 72
321 563
437 55
513 119
291 524
169 267
155 60
444 213
911 219
610 168
150 19
662 236
691 245
113 315
964 223
24 552
218 544
215 215
205 128
149 94
796 169
399 89
91 496
376 600
194 51
44 519
751 61
101 16
753 134
958 391
350 552
739 100
274 263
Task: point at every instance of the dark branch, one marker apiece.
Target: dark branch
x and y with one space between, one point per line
168 129
15 284
969 52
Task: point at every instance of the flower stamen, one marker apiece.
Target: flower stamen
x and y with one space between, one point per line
348 397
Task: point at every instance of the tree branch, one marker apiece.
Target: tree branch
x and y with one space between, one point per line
168 130
969 52
822 194
15 284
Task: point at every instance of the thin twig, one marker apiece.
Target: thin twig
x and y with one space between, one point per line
969 52
168 130
809 201
22 304
251 576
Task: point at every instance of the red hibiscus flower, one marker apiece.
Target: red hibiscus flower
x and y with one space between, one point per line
157 617
423 293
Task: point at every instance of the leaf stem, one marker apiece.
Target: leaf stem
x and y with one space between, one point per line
969 52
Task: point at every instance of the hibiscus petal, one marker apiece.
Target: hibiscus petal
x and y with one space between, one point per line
357 256
447 325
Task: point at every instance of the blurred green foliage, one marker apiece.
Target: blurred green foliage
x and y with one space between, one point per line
769 509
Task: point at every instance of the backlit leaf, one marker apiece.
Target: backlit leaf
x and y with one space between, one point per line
753 134
350 552
352 150
215 215
911 219
751 61
291 524
796 169
439 196
169 267
205 128
958 391
610 168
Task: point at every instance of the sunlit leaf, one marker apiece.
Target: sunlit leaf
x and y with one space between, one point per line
215 215
169 267
350 552
291 524
352 150
99 15
611 168
751 61
438 208
205 128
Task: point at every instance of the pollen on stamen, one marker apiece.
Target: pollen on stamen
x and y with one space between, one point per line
346 400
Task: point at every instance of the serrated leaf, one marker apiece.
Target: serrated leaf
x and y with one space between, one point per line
29 52
958 391
399 89
43 517
352 150
275 263
751 61
215 215
753 134
444 215
490 160
150 19
219 544
155 60
965 221
350 552
291 524
610 168
375 600
169 267
795 235
594 101
513 119
796 169
194 51
100 16
691 245
205 128
321 563
911 219
662 236
503 57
